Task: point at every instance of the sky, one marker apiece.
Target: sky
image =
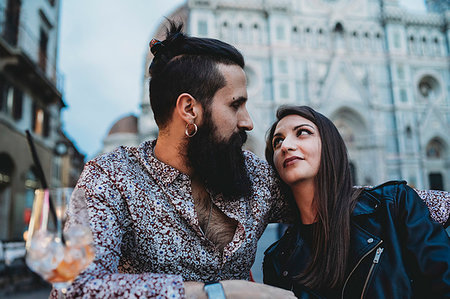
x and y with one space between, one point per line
102 50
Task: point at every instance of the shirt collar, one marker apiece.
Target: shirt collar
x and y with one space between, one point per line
160 171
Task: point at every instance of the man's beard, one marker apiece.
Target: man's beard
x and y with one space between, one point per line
220 164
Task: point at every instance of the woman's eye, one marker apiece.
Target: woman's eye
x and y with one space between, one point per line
303 132
276 142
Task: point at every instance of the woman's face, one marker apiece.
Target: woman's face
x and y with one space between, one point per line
297 149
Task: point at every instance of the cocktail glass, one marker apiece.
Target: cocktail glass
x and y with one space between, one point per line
59 241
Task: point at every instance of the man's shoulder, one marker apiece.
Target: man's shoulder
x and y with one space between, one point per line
252 158
119 156
256 165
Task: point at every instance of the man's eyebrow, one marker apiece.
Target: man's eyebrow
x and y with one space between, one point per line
240 99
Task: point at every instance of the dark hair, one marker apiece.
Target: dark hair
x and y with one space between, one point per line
187 64
335 201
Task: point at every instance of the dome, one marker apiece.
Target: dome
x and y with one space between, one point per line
127 124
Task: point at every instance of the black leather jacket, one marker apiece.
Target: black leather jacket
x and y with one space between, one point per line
397 251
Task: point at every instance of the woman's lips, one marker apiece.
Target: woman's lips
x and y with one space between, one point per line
291 160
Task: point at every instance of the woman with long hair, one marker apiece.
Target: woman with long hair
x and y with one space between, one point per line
375 242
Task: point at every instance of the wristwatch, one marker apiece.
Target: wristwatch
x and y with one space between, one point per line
214 290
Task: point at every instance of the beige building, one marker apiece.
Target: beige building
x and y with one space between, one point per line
30 99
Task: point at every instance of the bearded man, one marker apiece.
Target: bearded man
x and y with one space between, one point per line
180 216
190 206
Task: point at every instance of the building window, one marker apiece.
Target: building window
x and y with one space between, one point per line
400 72
435 149
17 104
338 28
284 91
11 100
202 28
5 95
282 66
396 40
403 96
256 34
6 171
429 88
11 29
43 42
40 121
425 88
280 34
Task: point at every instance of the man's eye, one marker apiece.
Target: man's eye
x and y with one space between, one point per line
236 105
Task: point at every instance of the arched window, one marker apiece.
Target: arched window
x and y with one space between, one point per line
225 32
346 131
435 149
339 28
429 88
296 35
256 33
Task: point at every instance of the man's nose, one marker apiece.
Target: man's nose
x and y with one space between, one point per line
245 122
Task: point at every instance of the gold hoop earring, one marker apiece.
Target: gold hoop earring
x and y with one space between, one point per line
187 130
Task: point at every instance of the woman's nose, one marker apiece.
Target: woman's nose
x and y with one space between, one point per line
287 145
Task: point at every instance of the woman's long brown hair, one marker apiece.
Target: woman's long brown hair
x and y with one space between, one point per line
335 202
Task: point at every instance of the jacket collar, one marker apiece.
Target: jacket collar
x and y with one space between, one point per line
366 204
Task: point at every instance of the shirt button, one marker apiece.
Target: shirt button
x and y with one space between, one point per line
285 273
370 240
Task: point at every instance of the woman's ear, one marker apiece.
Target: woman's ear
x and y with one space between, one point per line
188 108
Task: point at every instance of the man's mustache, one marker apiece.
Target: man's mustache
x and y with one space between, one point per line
242 135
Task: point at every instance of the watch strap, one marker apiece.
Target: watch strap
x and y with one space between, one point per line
214 290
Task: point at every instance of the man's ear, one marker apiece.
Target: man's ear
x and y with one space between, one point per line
188 108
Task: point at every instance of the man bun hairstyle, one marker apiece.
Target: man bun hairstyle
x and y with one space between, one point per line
184 64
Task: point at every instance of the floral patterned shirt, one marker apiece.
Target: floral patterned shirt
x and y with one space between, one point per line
146 230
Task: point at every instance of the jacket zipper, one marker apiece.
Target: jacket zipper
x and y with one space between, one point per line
359 262
375 261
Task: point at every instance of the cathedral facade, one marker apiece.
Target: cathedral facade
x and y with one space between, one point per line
378 71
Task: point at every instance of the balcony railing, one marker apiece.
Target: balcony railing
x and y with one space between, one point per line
22 39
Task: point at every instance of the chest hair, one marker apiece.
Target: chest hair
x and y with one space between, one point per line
221 228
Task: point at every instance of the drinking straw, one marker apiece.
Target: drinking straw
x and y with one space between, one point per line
41 177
